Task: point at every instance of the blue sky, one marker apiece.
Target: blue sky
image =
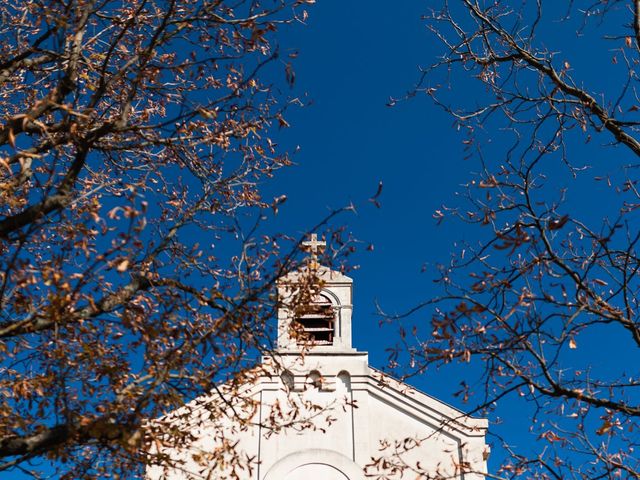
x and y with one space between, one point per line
353 56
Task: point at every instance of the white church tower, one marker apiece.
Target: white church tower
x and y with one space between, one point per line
321 412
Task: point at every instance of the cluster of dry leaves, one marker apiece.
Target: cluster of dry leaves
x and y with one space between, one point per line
134 135
542 303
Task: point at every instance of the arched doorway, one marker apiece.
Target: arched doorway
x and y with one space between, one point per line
315 463
316 471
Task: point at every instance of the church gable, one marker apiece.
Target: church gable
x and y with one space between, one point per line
316 409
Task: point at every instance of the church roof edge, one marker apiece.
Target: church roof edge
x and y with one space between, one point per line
323 273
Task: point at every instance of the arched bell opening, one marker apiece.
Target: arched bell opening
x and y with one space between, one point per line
317 322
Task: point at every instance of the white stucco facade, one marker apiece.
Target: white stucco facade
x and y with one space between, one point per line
322 412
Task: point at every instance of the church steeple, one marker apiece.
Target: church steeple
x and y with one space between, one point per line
315 305
317 410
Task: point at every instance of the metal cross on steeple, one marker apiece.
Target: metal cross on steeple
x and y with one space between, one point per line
314 246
